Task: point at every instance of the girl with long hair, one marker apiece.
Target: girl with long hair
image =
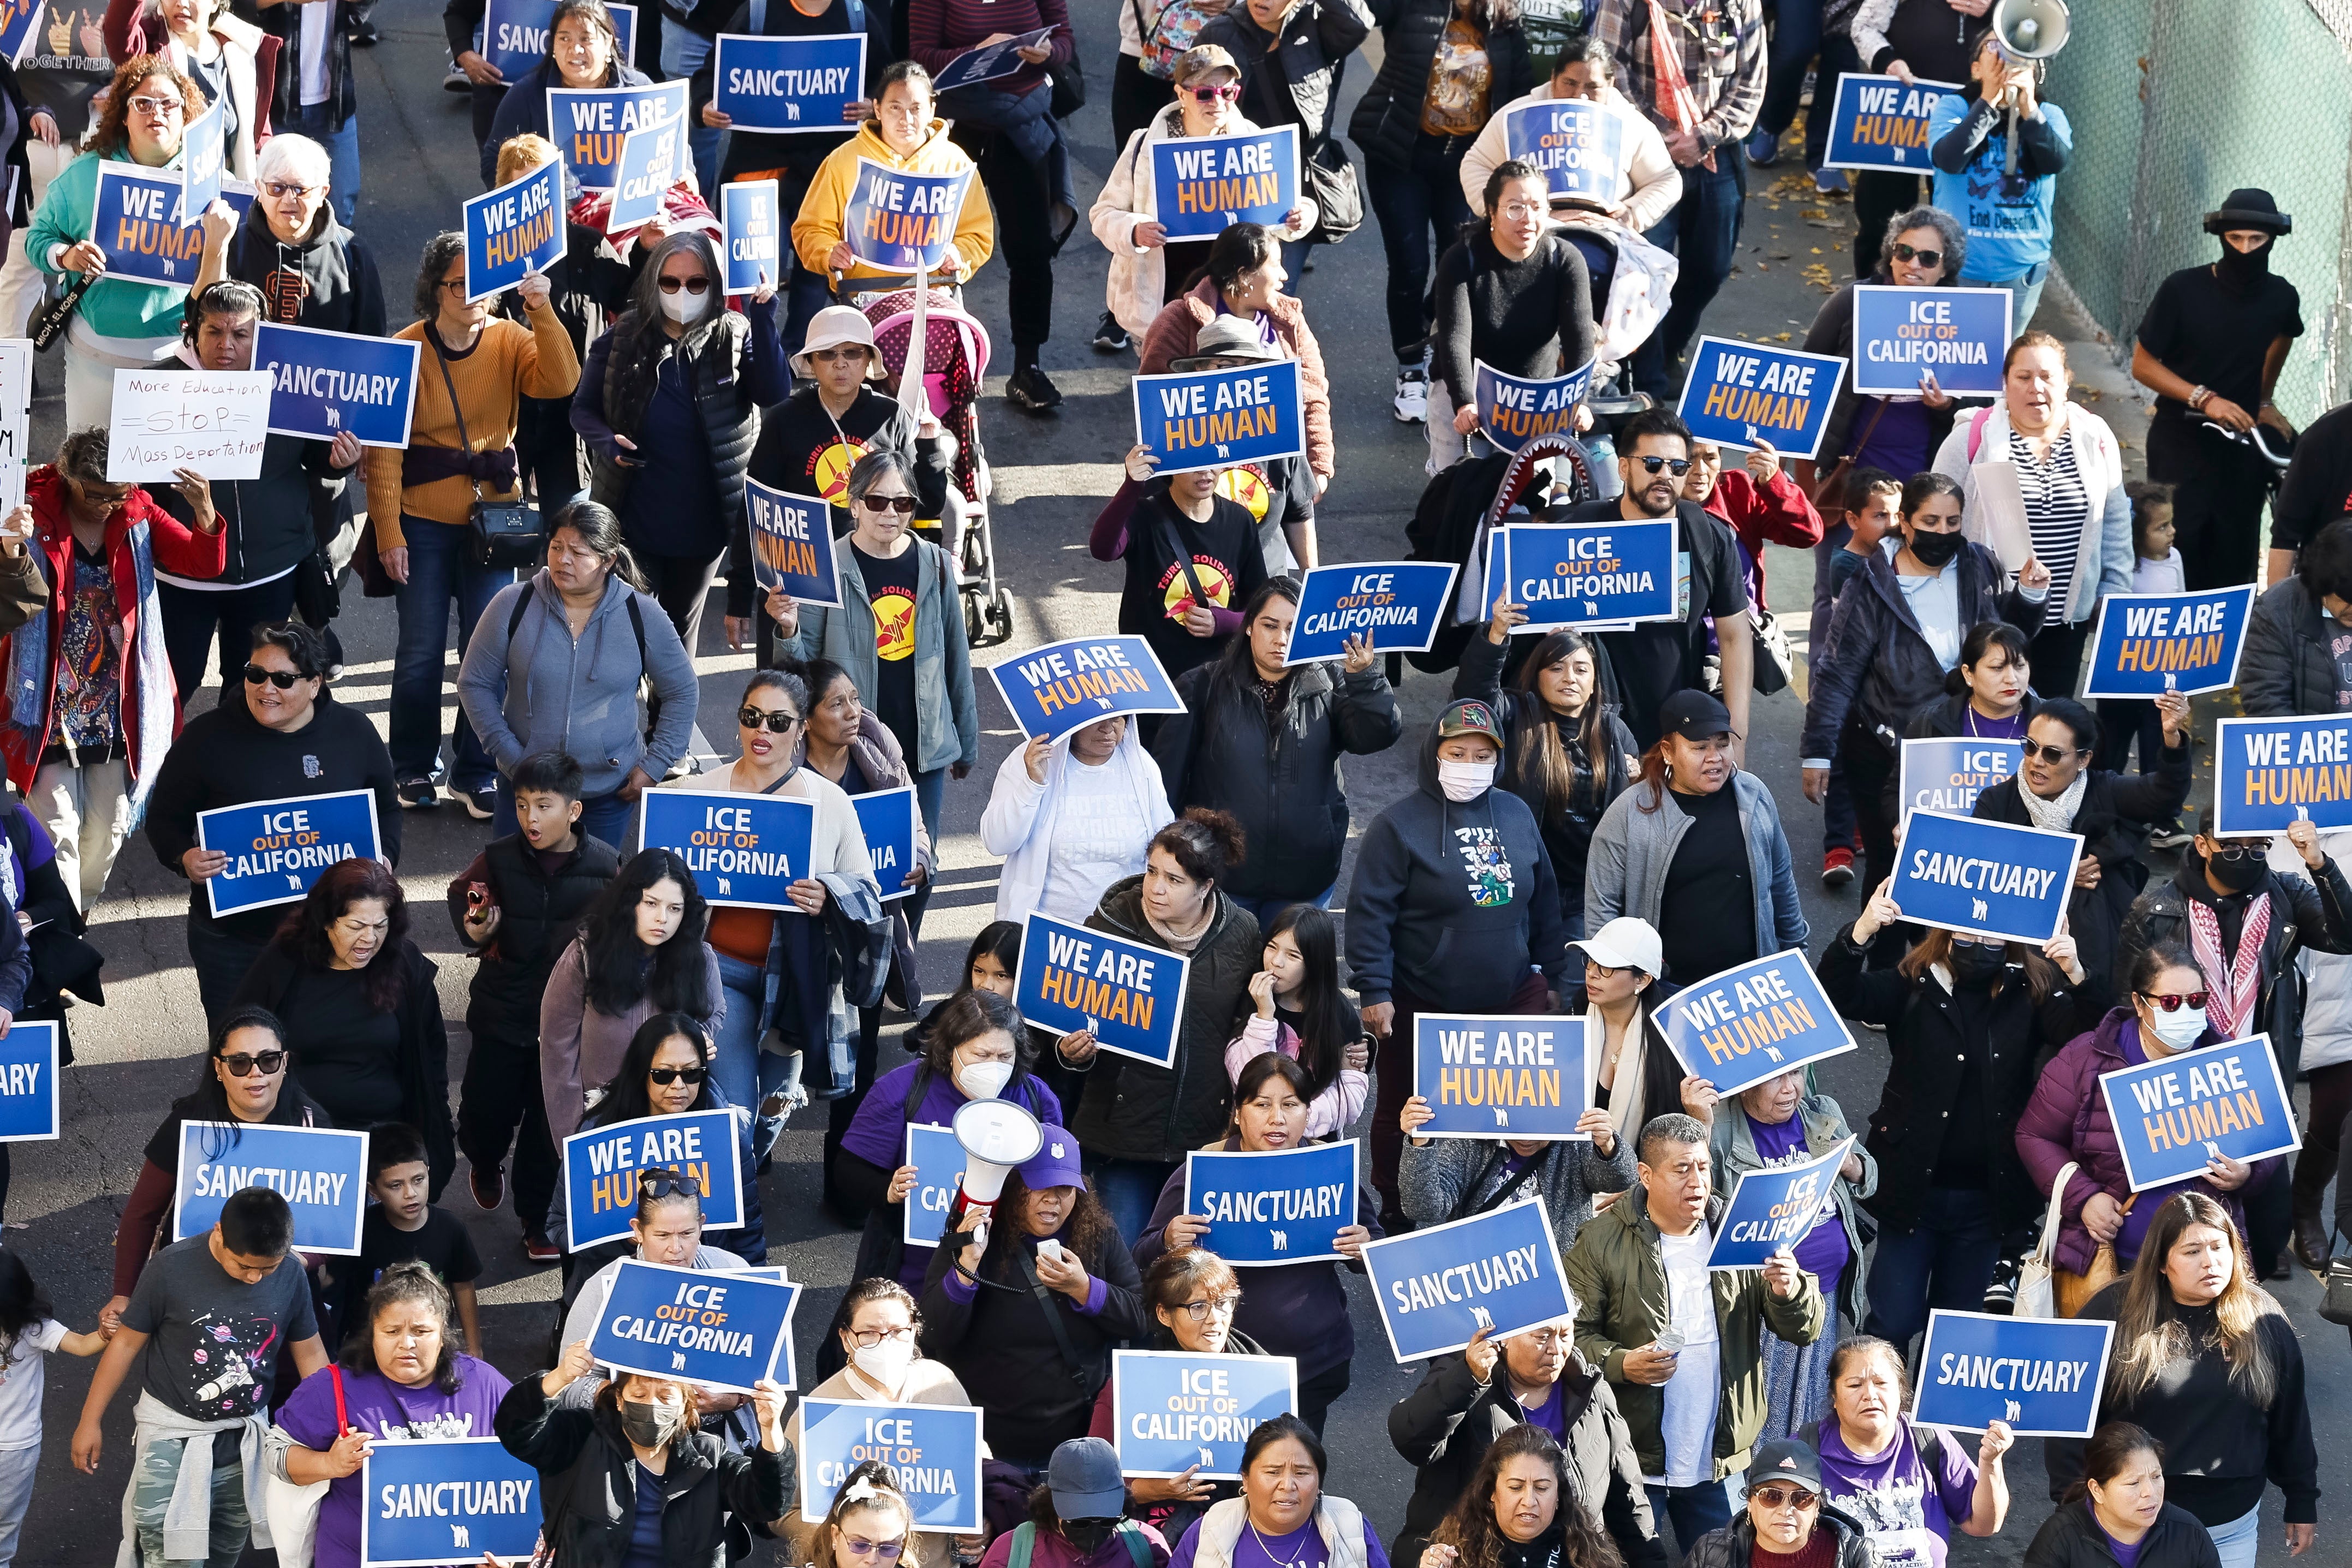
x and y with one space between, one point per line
1521 1510
1296 1009
868 1516
668 1069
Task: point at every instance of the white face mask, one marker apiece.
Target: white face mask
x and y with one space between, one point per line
683 307
886 1363
983 1080
1465 781
2178 1029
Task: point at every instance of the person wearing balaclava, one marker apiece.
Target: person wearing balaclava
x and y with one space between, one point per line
1453 910
2242 922
669 403
2210 347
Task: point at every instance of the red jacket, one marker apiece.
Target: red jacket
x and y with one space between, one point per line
1778 514
140 537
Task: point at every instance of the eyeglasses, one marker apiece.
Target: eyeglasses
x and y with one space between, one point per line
282 679
457 283
2236 854
902 505
1229 92
143 104
281 189
1520 212
698 284
662 1182
857 351
1677 466
1221 1306
1924 257
666 1076
778 720
1784 1497
868 1338
884 1551
1594 966
244 1063
2170 1002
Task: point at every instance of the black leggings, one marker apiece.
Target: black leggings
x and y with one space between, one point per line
682 584
1024 238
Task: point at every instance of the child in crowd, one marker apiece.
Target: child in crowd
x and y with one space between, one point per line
2157 568
1294 1006
1185 604
1758 500
26 1332
516 906
1873 497
401 1224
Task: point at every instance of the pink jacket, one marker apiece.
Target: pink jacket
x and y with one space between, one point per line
1333 1109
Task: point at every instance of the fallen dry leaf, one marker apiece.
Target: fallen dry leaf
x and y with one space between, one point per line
1815 215
1783 337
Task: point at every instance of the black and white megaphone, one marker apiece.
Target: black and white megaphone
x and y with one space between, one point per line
2031 30
996 1135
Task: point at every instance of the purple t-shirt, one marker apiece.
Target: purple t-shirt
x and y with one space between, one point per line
1907 1508
2125 1556
1301 1547
377 1405
1823 1251
1974 726
1550 1413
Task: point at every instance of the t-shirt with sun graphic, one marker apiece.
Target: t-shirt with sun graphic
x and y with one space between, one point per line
890 590
1226 560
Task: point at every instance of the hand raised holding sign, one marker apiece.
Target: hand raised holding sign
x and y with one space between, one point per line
575 1364
769 1400
1186 1488
534 289
1880 913
1781 1275
2303 834
2172 707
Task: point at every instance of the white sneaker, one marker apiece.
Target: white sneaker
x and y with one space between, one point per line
1411 395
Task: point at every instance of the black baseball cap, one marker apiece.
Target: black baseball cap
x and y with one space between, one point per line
1785 1460
1694 716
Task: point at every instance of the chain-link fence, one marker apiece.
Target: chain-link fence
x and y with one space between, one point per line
2174 104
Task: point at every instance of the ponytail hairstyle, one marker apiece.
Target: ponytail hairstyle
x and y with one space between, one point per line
406 1281
2111 1449
1326 1024
1982 639
1206 844
1543 756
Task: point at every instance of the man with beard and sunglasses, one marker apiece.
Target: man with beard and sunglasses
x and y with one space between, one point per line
2225 900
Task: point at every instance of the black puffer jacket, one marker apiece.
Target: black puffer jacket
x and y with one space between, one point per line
2287 669
1133 1111
1444 1427
1387 122
590 1484
538 915
1282 781
1877 668
715 358
1317 36
1734 1546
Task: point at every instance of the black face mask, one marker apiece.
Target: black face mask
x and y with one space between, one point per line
2237 876
1088 1535
2240 271
1974 964
1934 550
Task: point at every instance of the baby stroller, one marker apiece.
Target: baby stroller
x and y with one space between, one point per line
953 358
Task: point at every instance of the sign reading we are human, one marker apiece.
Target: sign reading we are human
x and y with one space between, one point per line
1755 1021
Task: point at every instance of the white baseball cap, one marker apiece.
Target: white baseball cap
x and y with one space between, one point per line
1626 942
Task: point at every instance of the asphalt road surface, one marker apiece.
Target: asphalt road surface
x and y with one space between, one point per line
143 1048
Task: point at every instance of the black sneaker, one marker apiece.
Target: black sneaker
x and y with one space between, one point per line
456 80
481 804
1031 391
2001 1293
417 794
1111 337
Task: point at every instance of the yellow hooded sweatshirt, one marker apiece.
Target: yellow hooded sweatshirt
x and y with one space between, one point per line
818 229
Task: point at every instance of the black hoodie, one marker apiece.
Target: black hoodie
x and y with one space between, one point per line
328 281
1456 902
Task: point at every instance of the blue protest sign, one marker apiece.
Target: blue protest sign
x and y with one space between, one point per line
325 383
1130 996
1879 122
277 849
203 161
446 1499
990 62
2150 644
1902 335
2041 1375
1774 1209
587 124
1947 773
1065 685
791 543
1174 1410
1214 419
745 850
513 35
937 1160
934 1450
1740 394
601 1168
2172 1115
1584 574
1201 185
1437 1287
1579 146
1504 1076
1515 410
649 166
725 1330
886 817
2267 772
1282 1205
321 1173
751 213
788 84
132 220
898 222
1983 878
1400 604
514 231
1757 1021
28 1082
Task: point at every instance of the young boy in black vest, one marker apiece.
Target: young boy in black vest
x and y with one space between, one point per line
518 907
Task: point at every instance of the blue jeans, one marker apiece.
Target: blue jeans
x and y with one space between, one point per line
1130 1189
1703 231
1795 38
1416 206
684 52
2024 290
2237 1540
1943 1262
16 1469
1693 1510
747 1074
342 154
440 568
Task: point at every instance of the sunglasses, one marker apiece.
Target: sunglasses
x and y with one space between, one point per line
698 284
884 1551
777 720
243 1063
144 105
1677 466
902 505
1229 92
2167 1001
663 1181
281 189
857 351
2055 754
282 679
1924 257
666 1076
1782 1497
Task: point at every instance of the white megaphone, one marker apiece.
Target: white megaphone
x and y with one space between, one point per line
2030 30
995 1137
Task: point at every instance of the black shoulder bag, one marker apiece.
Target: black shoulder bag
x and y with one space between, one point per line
507 534
1045 1298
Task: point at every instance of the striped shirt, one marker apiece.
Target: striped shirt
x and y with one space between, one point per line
2056 506
1724 57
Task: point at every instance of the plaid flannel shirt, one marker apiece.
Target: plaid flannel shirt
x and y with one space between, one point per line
1723 55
